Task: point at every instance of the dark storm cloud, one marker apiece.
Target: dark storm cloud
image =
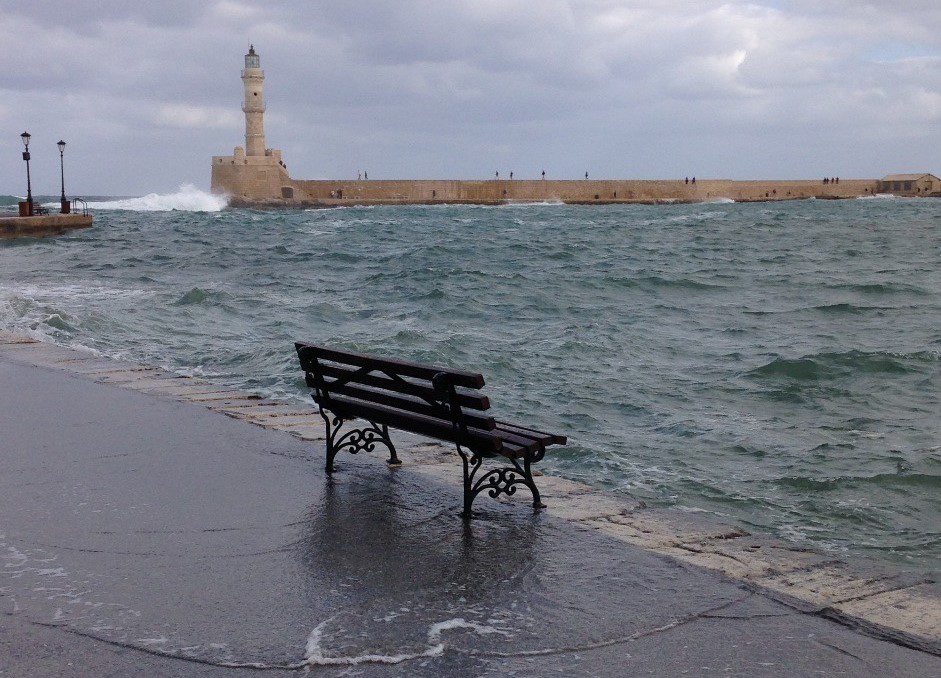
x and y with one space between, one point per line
146 92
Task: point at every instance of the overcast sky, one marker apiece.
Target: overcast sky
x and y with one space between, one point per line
144 92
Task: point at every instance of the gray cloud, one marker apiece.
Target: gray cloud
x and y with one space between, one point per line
146 92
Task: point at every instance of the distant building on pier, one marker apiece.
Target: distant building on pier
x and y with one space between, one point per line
910 184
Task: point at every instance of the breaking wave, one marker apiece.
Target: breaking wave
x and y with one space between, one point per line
188 198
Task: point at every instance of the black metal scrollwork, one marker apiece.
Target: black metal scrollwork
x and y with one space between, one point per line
356 440
502 480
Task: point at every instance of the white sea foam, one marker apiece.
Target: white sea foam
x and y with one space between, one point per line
721 201
877 196
187 199
435 647
541 203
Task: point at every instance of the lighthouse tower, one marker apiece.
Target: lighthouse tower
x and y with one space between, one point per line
254 173
254 106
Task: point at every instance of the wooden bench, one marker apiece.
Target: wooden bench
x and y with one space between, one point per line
435 402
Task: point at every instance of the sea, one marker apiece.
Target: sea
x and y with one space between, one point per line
775 364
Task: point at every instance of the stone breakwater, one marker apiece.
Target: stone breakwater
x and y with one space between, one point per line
247 188
42 226
900 608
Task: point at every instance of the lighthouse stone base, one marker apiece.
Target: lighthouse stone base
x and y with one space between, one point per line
251 177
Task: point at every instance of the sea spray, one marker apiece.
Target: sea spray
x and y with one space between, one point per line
187 199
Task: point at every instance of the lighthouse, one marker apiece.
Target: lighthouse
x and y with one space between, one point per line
254 172
254 106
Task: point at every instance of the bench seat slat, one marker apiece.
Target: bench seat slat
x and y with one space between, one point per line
474 401
546 438
404 402
499 441
343 406
521 443
400 367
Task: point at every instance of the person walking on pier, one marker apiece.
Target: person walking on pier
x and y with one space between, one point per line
586 176
544 175
687 180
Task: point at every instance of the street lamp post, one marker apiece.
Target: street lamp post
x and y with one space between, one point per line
63 203
29 188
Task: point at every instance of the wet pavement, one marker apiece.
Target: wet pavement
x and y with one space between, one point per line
140 534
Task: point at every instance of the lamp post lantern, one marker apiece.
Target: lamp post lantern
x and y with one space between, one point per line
63 203
29 188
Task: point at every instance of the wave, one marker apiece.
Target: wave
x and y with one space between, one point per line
187 199
850 308
806 483
512 204
877 196
541 203
656 281
879 288
827 365
721 201
199 295
10 200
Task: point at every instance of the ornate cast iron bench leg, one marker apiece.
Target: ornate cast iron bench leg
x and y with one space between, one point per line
502 480
393 459
355 440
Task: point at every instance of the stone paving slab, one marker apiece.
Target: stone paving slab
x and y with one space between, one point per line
907 611
172 384
751 557
94 365
218 396
268 409
129 376
304 433
291 423
897 613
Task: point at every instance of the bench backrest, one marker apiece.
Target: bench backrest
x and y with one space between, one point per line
437 401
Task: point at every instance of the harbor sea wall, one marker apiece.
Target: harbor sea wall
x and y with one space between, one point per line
264 180
580 191
248 191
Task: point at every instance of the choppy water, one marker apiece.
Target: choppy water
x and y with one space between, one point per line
776 364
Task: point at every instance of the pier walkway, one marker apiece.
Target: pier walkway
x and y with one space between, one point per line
42 226
143 532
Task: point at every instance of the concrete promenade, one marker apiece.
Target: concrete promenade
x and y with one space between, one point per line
142 532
